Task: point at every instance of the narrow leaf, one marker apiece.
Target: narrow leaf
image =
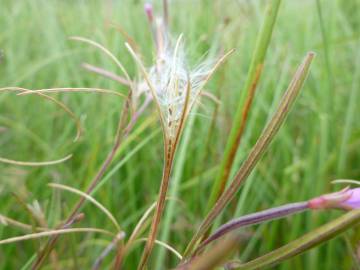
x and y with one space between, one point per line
51 233
304 243
258 150
35 163
90 199
255 218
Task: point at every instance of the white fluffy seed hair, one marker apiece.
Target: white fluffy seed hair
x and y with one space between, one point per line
171 78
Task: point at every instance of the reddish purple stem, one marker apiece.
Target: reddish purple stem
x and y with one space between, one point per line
106 73
255 218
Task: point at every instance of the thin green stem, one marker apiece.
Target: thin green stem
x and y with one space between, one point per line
246 100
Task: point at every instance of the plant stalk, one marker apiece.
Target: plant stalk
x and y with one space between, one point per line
159 209
253 219
257 151
246 100
302 244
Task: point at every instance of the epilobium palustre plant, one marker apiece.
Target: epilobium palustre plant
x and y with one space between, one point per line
175 89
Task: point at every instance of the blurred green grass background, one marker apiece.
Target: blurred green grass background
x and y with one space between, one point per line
318 143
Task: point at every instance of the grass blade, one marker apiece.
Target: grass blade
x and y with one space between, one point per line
90 199
119 136
57 102
245 103
35 163
163 244
104 50
51 233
